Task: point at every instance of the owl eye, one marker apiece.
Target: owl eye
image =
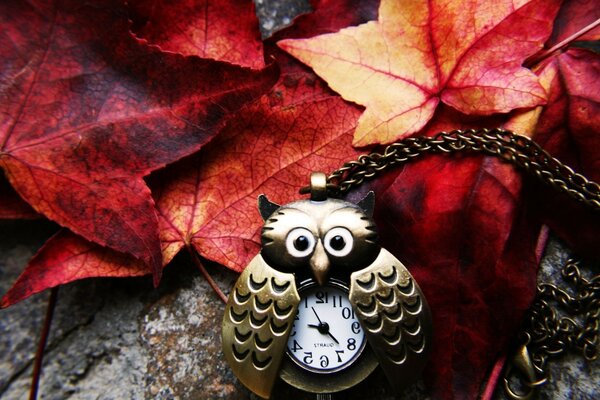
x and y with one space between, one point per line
300 242
338 242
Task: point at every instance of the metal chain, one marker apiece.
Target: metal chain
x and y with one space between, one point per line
558 322
506 145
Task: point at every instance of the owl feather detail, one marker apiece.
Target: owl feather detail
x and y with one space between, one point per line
389 305
319 240
257 321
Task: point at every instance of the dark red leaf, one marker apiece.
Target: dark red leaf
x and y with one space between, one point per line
458 224
209 202
67 257
11 204
569 129
189 197
88 110
573 16
224 31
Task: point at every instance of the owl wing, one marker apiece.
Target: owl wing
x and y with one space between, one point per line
257 322
395 316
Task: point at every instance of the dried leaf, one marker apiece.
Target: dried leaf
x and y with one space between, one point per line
569 129
570 123
11 204
420 53
458 224
573 16
457 221
88 111
224 30
288 109
209 202
67 257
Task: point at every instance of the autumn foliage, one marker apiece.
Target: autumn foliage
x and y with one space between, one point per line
144 133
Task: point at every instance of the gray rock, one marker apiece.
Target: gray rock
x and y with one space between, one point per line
277 14
19 324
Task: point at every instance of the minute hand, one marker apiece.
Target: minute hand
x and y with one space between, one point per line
324 331
333 337
316 315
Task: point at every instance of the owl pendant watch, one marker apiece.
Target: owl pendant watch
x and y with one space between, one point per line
322 305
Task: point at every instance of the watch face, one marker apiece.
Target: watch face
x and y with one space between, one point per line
326 336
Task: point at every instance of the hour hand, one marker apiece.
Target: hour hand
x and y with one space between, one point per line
323 328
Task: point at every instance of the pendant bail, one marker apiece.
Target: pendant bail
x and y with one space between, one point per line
318 186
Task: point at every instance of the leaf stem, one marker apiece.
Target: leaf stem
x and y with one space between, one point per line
209 279
39 355
494 378
542 55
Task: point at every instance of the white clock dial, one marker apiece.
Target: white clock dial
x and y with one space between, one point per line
326 336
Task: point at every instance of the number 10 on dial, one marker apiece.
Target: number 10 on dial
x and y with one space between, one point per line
326 336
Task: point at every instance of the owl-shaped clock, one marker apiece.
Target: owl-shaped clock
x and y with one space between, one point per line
323 304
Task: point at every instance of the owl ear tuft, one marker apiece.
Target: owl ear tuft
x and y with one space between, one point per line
266 207
367 204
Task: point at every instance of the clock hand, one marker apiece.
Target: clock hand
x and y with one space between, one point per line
333 337
319 319
323 329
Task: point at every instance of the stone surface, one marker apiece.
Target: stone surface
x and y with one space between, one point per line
19 326
277 14
572 377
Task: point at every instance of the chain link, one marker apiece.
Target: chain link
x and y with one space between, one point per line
506 145
550 333
558 322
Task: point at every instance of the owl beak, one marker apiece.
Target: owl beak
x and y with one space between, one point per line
319 263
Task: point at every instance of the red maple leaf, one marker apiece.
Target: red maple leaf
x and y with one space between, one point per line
87 110
569 129
459 224
300 125
225 31
67 257
11 204
461 230
575 15
209 202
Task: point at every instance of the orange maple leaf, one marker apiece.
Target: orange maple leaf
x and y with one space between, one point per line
466 54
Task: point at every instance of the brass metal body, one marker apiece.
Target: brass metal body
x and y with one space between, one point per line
396 318
319 218
257 322
317 239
